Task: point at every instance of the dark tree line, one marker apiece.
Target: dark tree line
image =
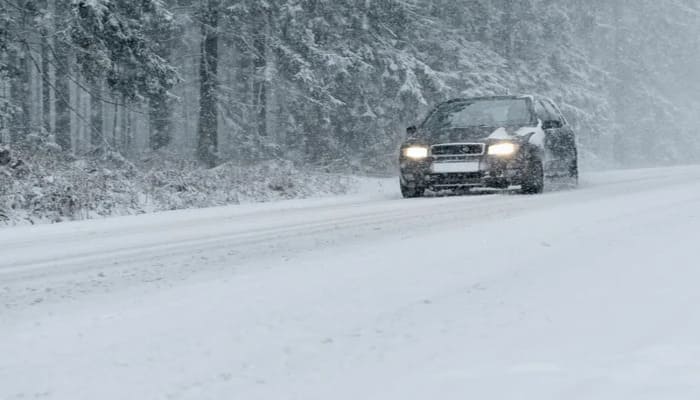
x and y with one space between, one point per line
334 82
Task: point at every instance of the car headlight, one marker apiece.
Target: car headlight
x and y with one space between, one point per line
416 152
503 149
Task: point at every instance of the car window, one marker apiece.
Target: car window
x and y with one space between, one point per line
479 112
541 111
561 116
553 112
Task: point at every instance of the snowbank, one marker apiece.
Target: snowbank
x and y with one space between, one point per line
44 186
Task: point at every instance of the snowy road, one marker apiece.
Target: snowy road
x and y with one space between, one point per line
585 294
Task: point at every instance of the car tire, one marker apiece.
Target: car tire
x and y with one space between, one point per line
412 192
573 173
533 182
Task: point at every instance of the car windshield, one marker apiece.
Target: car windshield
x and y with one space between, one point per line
471 113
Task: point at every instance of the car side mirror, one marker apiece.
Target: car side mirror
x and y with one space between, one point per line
411 130
551 124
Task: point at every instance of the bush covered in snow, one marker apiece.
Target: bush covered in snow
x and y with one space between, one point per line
39 184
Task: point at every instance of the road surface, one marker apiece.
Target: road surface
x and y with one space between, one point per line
581 294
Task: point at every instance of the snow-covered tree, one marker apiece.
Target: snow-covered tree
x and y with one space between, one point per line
335 83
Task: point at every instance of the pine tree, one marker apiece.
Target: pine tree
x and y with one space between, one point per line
118 51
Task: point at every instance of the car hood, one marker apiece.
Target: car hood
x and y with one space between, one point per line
477 134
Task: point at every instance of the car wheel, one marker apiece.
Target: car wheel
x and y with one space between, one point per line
411 193
573 173
533 183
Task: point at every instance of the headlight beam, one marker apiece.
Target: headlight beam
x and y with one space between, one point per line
416 152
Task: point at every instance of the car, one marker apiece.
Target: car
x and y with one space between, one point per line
497 142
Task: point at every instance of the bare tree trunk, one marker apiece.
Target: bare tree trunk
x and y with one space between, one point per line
115 123
21 88
15 94
61 85
208 114
260 86
124 131
45 71
128 141
619 145
96 116
4 103
45 88
78 107
160 114
24 120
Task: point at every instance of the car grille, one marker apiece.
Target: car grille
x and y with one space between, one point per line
453 180
457 151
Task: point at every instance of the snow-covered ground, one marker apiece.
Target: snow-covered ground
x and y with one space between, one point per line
585 294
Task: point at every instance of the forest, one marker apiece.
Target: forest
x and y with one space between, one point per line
166 91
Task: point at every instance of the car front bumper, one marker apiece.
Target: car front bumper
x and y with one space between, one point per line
489 173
